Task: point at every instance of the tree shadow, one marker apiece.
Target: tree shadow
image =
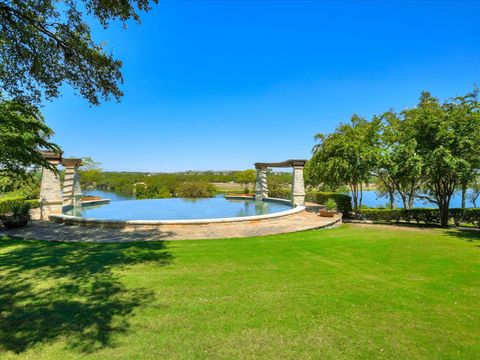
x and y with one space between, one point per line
69 290
472 235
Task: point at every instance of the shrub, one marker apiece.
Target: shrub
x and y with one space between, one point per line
331 205
18 215
280 191
197 189
425 216
344 202
7 202
34 203
465 216
155 191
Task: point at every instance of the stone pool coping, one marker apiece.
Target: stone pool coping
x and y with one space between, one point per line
77 220
51 231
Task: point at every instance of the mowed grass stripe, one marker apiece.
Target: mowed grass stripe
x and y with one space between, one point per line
350 292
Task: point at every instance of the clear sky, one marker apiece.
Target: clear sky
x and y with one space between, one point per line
223 84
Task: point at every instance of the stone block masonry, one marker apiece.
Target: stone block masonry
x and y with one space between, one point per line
51 199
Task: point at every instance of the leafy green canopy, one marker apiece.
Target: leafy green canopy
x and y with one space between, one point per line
346 156
22 133
426 152
45 43
448 140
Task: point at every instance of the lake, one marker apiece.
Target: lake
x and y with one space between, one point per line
107 195
371 199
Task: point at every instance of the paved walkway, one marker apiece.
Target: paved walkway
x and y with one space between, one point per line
305 220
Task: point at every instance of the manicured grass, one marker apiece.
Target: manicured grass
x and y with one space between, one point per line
351 292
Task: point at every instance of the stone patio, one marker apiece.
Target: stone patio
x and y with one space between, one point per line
306 220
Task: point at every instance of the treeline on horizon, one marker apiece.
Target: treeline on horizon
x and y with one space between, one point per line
165 185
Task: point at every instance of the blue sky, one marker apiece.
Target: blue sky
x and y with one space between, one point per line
221 85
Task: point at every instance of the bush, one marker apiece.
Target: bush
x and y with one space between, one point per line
7 202
331 205
465 216
344 202
155 191
279 191
425 216
197 189
34 203
18 215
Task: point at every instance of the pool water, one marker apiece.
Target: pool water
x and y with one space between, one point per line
179 209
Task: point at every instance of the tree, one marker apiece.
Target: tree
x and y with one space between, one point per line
23 134
90 171
475 191
347 156
44 44
245 178
398 167
448 141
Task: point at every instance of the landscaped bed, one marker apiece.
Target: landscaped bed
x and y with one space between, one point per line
356 291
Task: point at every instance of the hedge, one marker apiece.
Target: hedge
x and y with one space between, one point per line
344 202
7 202
425 216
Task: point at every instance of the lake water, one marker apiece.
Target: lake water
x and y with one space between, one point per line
179 209
371 199
107 195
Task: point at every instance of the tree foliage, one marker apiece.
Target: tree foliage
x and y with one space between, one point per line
23 133
45 43
346 156
89 171
427 152
246 178
448 140
398 168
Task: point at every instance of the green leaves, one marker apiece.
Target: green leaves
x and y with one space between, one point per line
428 151
346 156
23 134
44 44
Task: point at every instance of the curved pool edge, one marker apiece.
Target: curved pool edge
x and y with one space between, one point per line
77 220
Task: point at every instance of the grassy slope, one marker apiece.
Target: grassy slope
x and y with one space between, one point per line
352 292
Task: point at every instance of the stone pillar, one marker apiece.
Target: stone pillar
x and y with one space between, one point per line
261 185
51 201
298 186
72 191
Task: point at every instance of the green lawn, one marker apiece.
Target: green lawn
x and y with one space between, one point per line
350 292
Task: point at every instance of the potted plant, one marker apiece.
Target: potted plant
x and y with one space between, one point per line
19 215
330 208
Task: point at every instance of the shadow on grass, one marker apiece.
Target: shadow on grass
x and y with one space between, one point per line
472 235
69 290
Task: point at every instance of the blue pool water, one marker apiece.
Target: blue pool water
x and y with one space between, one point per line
179 209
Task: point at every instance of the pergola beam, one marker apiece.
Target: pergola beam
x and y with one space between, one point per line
283 164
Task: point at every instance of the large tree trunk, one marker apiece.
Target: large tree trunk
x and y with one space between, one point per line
443 214
404 200
361 196
464 195
354 190
391 194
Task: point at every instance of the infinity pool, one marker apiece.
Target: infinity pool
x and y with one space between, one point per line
179 209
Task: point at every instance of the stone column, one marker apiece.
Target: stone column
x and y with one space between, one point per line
51 201
298 186
72 191
261 185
